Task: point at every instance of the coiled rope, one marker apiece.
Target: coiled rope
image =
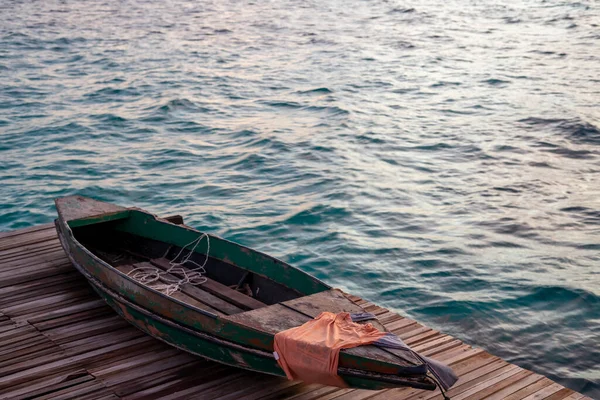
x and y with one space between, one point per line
159 280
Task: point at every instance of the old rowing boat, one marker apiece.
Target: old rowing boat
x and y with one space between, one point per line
233 316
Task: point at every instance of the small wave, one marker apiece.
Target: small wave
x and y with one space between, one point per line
588 216
570 153
15 35
457 112
507 189
401 10
562 18
556 298
512 20
434 147
500 243
109 118
283 104
402 44
541 165
168 157
177 105
317 214
495 82
328 110
542 52
574 129
249 162
319 90
63 41
445 83
112 93
368 138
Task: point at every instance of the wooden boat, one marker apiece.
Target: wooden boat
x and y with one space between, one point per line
105 242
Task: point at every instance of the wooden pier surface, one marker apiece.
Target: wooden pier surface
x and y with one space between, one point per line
59 340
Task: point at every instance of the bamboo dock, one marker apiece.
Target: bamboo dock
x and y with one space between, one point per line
59 340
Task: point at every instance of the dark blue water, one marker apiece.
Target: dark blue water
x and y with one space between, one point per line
439 158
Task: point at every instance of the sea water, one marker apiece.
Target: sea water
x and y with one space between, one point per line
439 158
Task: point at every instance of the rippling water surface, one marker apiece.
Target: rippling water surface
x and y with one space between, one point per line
441 158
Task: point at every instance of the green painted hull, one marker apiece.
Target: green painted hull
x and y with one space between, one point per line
211 348
195 330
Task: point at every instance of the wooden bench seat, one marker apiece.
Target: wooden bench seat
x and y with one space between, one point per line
224 292
191 294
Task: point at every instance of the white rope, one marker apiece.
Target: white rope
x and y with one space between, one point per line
149 276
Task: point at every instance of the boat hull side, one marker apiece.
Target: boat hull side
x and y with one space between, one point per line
182 314
187 340
159 303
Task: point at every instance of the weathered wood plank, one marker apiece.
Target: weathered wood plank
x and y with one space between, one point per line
85 329
38 248
41 293
470 371
21 372
288 392
47 302
191 294
134 362
48 384
90 310
27 276
263 390
86 351
560 395
178 384
576 396
37 348
101 341
495 384
33 237
34 259
545 392
533 388
25 231
62 381
81 391
158 377
218 289
515 387
315 394
71 276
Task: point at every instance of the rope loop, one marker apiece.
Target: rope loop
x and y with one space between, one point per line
158 279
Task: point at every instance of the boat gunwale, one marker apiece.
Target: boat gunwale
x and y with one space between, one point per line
130 211
276 260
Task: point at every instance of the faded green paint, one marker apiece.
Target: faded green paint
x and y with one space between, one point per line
189 316
190 342
98 219
205 348
146 225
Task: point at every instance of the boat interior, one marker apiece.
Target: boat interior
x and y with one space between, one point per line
228 289
230 292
